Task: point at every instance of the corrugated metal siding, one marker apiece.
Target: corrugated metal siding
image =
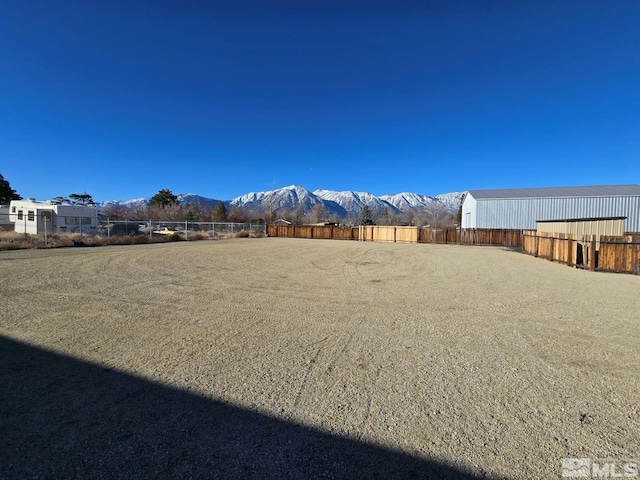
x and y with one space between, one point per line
609 226
523 213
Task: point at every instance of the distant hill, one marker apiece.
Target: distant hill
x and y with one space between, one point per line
296 198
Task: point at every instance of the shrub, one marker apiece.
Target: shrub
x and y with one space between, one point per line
198 236
15 241
176 237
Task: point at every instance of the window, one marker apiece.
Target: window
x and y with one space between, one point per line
78 221
19 214
46 216
13 209
31 215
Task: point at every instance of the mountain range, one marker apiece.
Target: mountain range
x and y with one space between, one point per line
340 204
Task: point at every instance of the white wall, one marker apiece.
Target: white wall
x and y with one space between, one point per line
469 206
64 218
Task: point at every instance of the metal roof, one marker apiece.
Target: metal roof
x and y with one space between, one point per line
559 192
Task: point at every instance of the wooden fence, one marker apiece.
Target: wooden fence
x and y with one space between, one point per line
604 253
471 236
313 231
401 234
619 254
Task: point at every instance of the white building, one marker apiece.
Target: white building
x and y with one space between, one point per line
31 216
521 208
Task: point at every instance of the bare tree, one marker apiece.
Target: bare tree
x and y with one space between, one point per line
238 214
435 214
270 211
299 215
206 213
171 211
408 217
139 212
387 217
295 216
116 212
319 213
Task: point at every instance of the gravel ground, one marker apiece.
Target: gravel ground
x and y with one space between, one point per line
285 358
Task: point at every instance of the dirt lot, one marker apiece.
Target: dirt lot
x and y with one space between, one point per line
289 358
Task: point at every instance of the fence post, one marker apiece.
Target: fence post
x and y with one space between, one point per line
592 253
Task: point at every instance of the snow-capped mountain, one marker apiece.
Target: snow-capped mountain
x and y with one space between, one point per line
409 201
129 204
296 198
193 199
285 199
183 199
450 200
352 202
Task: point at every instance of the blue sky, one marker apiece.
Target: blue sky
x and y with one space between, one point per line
123 98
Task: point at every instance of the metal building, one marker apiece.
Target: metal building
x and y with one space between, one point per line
521 208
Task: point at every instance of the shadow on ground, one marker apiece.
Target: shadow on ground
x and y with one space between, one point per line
63 418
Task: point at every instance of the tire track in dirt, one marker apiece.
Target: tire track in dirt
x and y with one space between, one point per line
496 361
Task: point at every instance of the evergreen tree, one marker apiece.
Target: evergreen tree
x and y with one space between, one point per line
459 214
220 212
6 192
366 216
81 199
163 198
386 217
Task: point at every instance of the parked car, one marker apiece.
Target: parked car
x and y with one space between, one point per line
166 231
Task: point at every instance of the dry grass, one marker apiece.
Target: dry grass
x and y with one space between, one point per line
481 359
19 241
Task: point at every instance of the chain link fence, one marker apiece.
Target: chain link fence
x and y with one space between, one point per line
150 228
107 227
5 224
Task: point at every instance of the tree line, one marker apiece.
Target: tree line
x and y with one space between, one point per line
165 205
